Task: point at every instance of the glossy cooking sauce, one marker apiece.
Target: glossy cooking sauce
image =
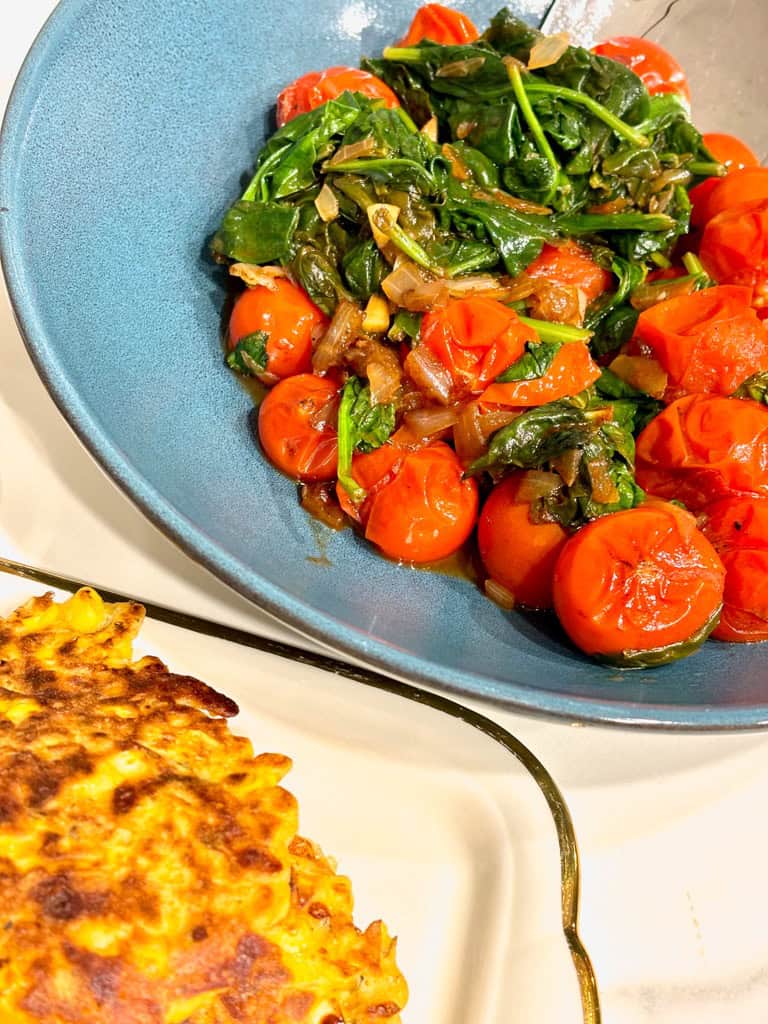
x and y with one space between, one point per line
463 564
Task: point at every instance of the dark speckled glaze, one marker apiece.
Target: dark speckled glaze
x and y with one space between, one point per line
127 135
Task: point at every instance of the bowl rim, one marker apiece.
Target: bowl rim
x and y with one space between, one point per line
306 620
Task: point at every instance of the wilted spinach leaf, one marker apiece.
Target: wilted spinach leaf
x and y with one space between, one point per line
249 356
754 388
256 232
534 363
362 427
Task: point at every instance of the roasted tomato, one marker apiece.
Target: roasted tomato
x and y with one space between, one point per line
296 427
571 266
640 587
738 530
572 371
475 340
702 447
709 341
289 318
440 25
317 87
658 69
516 552
735 155
734 248
418 507
743 186
730 151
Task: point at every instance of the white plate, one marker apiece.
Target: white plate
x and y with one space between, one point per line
444 833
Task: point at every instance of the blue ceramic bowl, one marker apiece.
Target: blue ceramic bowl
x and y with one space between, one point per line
127 136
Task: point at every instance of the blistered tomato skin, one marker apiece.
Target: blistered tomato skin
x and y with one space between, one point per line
440 24
572 371
658 69
475 339
738 530
516 552
419 509
707 342
317 87
639 583
743 186
571 265
287 432
702 448
734 248
730 151
290 319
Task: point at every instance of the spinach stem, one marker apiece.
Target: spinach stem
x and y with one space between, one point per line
533 123
388 226
355 190
693 265
705 169
404 54
407 120
556 332
345 447
257 182
594 223
371 165
534 87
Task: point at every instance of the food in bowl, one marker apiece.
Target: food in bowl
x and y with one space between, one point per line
495 278
152 869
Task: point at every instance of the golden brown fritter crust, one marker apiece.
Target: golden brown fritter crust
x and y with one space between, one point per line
150 870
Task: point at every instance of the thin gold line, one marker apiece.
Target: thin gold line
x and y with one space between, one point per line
570 875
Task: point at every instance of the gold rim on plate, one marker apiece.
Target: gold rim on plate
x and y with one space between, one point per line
570 873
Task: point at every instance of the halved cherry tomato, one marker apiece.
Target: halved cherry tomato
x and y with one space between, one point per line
658 69
287 314
708 341
475 339
418 509
441 25
293 430
703 447
738 530
518 553
317 87
735 155
571 265
734 248
572 371
633 584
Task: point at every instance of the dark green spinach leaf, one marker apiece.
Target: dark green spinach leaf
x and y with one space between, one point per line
362 427
249 356
256 232
534 363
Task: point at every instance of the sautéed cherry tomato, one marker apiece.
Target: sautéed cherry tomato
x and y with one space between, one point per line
475 340
290 319
294 431
636 582
441 25
317 87
418 509
516 552
658 69
738 529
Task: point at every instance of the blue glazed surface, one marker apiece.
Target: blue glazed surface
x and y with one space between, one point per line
128 134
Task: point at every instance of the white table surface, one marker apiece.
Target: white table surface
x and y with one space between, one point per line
672 828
